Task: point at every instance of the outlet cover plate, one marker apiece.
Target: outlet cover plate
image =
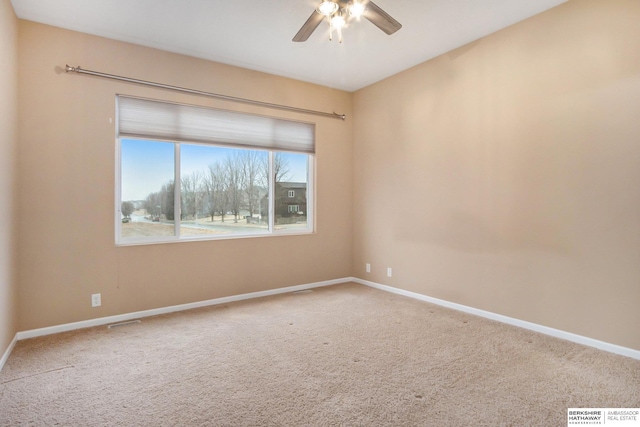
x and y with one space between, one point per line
96 300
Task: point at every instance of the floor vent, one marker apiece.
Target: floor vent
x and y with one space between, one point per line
117 325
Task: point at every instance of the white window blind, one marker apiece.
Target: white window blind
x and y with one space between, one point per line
145 118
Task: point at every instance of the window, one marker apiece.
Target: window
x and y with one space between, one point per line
187 172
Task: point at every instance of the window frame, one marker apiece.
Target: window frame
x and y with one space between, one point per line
273 228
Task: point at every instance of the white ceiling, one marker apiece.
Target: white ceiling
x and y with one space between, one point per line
256 34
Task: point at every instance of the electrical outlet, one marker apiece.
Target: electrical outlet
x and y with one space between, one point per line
96 300
367 268
389 272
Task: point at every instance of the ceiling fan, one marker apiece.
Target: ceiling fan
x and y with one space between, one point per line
340 12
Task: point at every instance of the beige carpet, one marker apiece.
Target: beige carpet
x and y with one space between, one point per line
344 355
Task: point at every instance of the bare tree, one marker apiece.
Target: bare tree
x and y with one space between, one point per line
161 202
191 194
127 209
253 178
152 204
167 200
215 187
210 188
281 173
235 183
280 167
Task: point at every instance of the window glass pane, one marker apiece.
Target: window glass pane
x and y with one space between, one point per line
220 176
223 190
147 169
291 180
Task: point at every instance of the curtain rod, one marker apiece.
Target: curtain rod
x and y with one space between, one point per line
79 70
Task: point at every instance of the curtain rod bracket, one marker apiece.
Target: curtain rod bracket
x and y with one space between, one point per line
70 69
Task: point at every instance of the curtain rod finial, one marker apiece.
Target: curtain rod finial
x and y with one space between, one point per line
71 69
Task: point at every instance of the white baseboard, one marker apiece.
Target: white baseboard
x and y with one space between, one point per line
164 310
6 354
611 348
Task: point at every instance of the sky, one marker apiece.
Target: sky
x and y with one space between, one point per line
147 165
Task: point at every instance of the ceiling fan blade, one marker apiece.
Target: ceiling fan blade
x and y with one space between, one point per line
309 27
381 19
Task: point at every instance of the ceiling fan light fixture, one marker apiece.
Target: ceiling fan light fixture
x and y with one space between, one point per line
327 8
335 12
356 9
338 21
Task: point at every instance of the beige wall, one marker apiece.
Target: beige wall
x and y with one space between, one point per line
66 185
505 175
8 141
